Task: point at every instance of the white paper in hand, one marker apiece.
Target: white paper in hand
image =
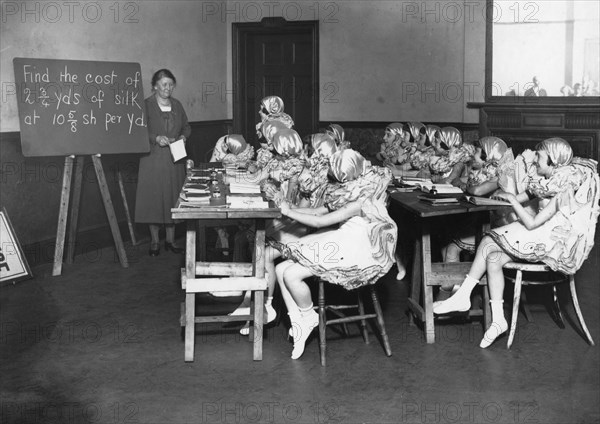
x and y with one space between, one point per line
178 150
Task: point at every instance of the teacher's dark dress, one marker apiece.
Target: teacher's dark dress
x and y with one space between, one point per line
159 179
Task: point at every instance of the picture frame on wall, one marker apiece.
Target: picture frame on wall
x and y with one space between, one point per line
13 264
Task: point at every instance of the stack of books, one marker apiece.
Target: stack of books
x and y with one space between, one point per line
486 201
193 187
440 199
195 198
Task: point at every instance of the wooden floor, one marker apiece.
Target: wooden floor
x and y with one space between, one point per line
103 344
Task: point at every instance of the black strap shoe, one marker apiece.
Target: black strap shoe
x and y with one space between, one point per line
154 249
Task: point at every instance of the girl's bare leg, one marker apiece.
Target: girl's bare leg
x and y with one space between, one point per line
461 300
495 278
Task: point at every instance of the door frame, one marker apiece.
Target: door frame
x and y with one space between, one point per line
241 32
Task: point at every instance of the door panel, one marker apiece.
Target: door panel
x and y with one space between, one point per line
280 62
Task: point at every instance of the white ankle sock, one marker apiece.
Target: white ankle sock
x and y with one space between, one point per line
306 311
459 301
498 326
294 317
270 312
307 322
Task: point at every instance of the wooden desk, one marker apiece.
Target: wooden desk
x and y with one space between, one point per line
426 274
223 276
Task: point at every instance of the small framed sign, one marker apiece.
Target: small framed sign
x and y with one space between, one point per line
13 265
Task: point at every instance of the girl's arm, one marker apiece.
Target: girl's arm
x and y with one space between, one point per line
455 174
453 178
321 210
321 221
531 222
483 188
521 197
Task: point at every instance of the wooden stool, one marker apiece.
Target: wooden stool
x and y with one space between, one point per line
344 318
556 278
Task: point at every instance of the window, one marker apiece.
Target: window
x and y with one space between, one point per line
543 49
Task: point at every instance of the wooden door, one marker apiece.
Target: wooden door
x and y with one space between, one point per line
278 59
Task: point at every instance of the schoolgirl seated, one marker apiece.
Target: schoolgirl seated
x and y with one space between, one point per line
281 182
447 164
356 240
230 150
313 179
272 120
233 150
560 235
394 147
337 133
420 146
493 161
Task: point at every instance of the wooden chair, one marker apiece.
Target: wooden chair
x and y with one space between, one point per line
343 317
553 279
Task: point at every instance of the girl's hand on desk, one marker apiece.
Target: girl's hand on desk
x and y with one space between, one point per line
285 208
509 197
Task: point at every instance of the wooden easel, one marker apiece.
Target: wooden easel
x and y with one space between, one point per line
74 215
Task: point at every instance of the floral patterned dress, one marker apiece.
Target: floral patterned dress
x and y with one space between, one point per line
361 249
565 240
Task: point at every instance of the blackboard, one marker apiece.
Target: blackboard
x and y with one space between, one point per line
74 107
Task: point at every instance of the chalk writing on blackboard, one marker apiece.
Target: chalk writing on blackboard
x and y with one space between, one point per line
80 107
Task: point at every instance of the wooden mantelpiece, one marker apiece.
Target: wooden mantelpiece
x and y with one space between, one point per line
523 125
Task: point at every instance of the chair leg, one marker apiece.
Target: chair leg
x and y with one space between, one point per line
578 310
555 309
322 322
515 311
363 322
380 322
487 310
525 306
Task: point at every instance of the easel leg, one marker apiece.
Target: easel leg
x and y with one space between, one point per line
62 216
126 205
110 211
74 215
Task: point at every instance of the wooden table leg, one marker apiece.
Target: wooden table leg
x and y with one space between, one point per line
190 298
258 259
427 288
415 281
259 302
483 227
190 326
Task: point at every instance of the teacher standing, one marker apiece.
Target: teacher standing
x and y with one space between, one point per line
159 179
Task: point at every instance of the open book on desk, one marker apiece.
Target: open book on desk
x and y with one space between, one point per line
486 201
247 202
244 188
414 181
440 188
428 186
